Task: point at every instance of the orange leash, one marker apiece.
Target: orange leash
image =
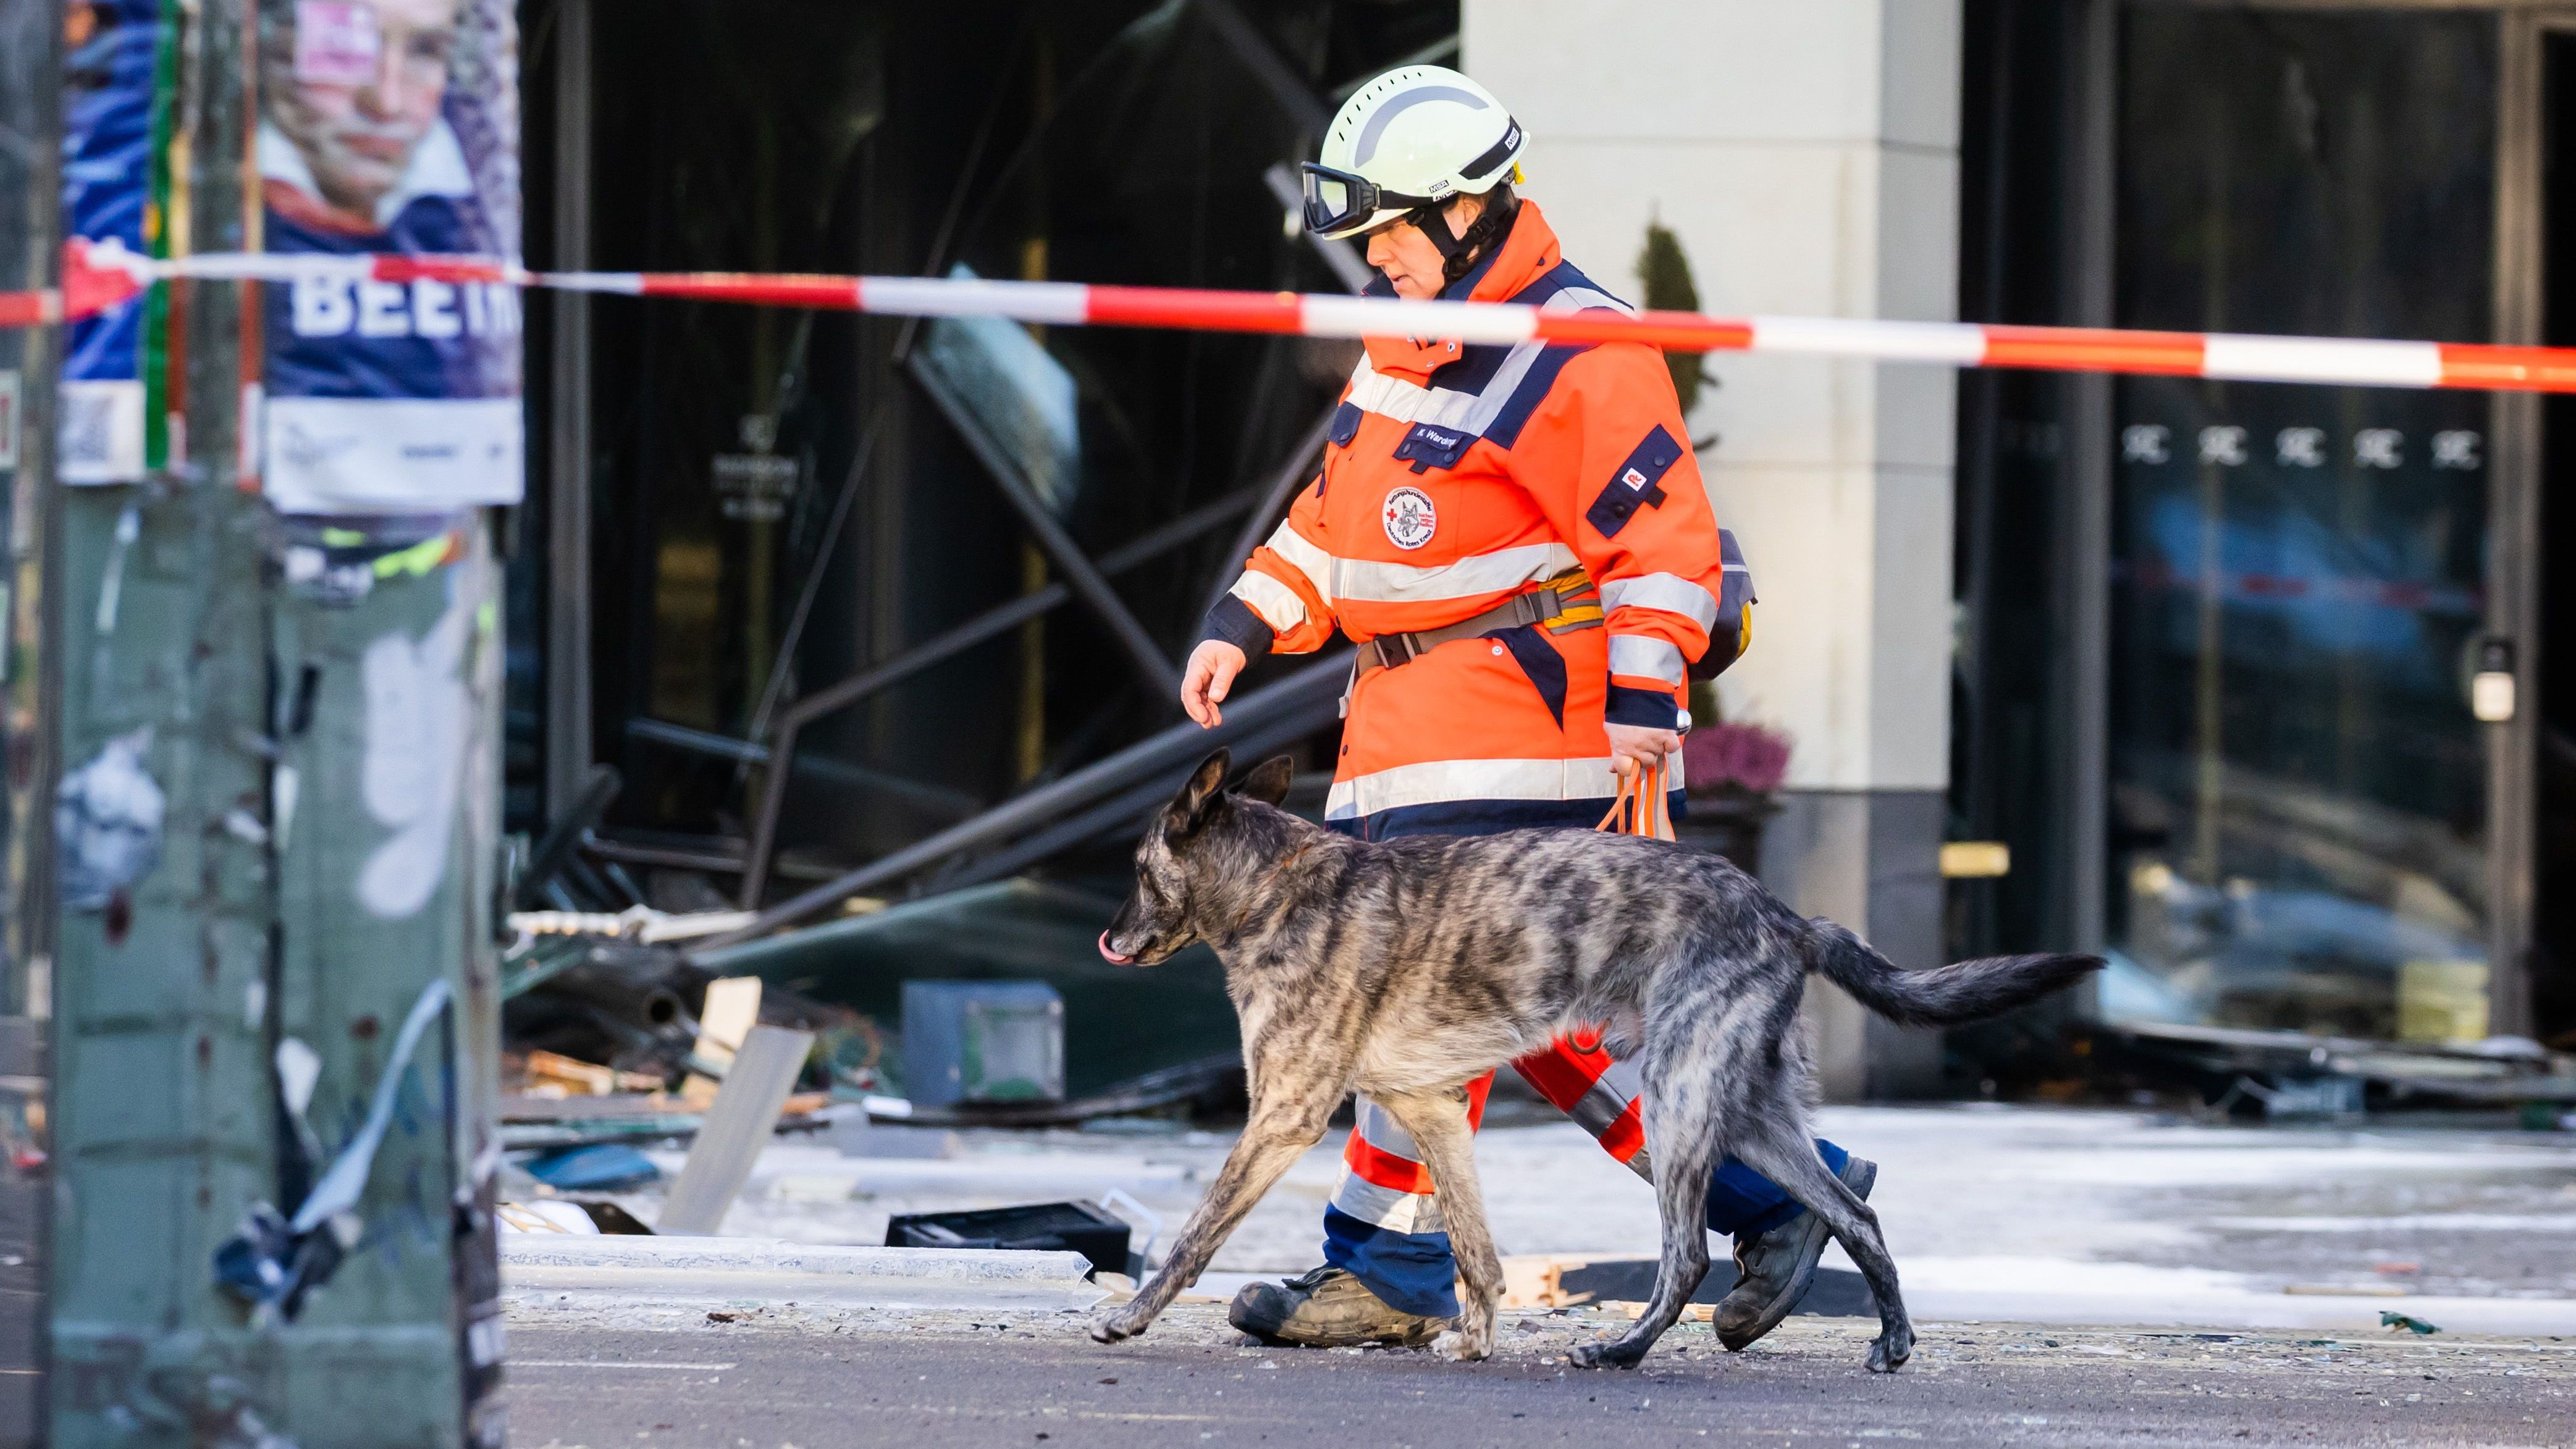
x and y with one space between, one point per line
1642 807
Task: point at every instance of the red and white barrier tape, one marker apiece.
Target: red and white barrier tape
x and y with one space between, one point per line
97 278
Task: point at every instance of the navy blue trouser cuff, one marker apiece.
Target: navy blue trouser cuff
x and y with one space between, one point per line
1409 1272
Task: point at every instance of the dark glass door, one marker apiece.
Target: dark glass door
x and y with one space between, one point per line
2298 816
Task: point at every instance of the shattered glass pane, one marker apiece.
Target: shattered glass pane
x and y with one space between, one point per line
1017 405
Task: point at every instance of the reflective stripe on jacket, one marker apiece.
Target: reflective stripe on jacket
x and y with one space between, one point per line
1457 477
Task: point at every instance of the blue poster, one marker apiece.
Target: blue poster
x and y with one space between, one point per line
390 126
107 154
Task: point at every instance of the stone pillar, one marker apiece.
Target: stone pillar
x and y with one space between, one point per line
1807 157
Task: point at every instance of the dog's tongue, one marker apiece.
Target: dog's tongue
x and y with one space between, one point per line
1112 957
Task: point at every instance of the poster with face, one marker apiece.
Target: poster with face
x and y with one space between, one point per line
390 126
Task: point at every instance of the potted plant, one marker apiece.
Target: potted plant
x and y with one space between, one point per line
1732 771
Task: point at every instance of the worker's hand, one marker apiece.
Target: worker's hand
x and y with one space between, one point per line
1213 666
1635 747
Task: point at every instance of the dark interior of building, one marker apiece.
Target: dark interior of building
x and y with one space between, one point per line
2296 799
779 500
2008 729
932 566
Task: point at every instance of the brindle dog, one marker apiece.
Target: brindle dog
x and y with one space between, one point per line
1406 968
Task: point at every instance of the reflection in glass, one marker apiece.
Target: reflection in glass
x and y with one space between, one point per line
2298 828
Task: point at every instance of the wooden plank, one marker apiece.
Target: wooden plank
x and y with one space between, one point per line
731 1006
736 1128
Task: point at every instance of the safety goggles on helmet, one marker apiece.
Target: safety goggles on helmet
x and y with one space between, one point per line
1337 200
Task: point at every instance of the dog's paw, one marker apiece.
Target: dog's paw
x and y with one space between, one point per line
1614 1353
1111 1327
1889 1351
1460 1346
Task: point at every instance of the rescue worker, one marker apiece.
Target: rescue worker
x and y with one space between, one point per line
1518 539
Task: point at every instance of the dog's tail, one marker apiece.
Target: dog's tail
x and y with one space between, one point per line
1944 995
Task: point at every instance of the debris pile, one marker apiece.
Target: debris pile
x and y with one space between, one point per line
630 1030
2293 1075
614 1040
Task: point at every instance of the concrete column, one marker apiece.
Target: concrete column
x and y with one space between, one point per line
1807 156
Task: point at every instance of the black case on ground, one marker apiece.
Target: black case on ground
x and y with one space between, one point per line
1040 1227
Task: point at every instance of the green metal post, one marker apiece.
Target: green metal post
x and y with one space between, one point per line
385 884
324 855
30 68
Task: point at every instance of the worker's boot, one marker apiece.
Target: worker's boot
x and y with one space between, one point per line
1774 1269
1326 1308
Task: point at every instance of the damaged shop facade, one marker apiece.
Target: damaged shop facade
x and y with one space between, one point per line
2245 685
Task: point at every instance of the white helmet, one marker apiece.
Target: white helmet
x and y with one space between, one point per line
1411 138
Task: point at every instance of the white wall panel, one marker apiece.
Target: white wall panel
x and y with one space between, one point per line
1806 155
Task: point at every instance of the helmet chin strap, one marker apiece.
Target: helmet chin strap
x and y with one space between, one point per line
1433 222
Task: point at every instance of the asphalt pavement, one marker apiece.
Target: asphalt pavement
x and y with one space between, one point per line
2027 1214
773 1378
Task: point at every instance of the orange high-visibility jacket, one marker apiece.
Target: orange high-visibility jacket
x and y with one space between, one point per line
1460 476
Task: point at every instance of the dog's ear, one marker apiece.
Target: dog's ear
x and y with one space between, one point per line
1268 782
1198 799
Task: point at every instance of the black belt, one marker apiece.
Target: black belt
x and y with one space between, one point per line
1562 605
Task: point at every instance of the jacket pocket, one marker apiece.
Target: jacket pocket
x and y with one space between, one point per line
1539 662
